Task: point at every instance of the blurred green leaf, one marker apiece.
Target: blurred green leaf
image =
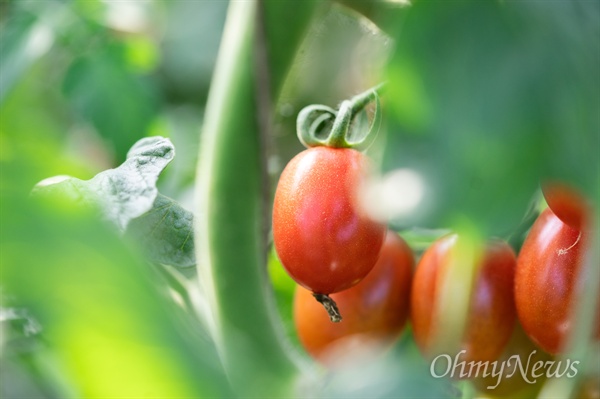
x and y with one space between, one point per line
20 333
24 37
21 346
34 133
166 233
19 328
110 331
102 88
123 193
17 382
486 98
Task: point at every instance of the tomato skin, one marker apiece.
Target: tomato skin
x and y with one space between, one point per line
377 307
567 204
491 316
545 283
321 236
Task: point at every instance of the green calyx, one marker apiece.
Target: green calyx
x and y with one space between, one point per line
314 118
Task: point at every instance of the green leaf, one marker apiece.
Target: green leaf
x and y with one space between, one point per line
19 330
120 194
22 344
18 382
109 327
166 233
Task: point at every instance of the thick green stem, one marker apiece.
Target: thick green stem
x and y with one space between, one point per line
230 223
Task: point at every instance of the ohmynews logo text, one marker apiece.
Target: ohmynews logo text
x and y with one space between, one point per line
457 368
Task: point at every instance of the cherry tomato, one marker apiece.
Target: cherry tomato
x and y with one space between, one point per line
567 204
547 272
491 315
323 239
376 308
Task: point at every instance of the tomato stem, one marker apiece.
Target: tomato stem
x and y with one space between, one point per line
361 100
311 119
339 131
330 306
245 328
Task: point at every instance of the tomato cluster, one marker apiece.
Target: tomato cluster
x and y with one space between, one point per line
328 245
344 259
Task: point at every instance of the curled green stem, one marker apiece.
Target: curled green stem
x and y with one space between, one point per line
341 125
361 100
330 306
311 119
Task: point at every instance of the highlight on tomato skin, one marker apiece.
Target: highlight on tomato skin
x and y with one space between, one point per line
322 237
375 310
491 315
548 270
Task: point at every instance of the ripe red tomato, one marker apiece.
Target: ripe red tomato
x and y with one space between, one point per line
567 204
491 315
324 241
545 283
376 308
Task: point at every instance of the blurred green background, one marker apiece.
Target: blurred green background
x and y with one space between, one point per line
485 99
